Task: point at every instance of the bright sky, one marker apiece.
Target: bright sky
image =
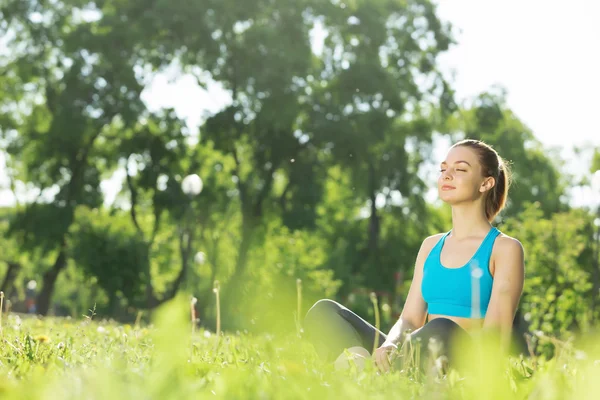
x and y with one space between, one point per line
545 53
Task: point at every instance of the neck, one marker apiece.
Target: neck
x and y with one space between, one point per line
468 220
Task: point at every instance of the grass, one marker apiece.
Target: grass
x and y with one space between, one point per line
86 359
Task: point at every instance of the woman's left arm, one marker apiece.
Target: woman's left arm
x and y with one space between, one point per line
507 288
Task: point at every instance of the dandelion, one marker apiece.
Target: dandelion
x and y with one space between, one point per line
42 338
193 302
441 364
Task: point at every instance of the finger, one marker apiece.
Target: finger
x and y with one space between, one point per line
382 361
377 358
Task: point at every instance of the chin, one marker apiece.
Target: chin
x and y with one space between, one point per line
448 198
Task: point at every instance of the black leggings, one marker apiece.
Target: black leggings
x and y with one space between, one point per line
331 328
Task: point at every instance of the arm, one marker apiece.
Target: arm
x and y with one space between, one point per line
509 276
414 312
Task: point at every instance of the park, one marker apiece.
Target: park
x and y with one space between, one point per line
181 181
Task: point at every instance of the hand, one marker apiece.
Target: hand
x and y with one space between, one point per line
382 356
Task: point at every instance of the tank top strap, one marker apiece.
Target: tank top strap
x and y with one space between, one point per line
440 243
485 250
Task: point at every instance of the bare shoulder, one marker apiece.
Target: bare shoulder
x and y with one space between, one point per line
431 241
508 246
428 244
509 265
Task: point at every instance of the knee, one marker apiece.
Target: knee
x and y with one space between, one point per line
321 311
323 306
439 329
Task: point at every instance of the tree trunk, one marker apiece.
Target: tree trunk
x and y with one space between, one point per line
233 291
185 246
44 298
374 225
9 279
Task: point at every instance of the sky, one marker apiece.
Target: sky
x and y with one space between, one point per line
546 54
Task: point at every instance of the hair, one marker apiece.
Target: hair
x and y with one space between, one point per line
493 166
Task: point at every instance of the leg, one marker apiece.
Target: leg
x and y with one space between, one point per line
439 338
331 328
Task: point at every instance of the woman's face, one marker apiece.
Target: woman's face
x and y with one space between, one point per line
461 178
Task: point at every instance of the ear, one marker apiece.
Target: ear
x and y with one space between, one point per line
487 184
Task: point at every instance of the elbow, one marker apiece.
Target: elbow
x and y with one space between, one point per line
411 323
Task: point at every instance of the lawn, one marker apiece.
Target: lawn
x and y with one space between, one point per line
86 358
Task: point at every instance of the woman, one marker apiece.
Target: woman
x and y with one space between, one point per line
465 280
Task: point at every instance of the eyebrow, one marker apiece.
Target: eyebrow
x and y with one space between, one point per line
457 162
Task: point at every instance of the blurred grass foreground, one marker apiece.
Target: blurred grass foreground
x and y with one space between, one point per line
56 358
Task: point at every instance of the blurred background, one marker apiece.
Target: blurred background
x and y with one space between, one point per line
153 147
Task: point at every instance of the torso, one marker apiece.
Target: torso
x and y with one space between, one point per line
454 255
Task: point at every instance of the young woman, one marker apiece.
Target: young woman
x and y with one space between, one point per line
465 280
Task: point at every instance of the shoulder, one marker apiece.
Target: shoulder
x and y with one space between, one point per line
509 257
429 243
508 247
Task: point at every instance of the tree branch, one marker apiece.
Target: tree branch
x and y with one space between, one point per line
155 228
134 196
184 250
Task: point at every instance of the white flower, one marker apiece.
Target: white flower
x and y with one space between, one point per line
191 185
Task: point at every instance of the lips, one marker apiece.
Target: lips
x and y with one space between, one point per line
448 187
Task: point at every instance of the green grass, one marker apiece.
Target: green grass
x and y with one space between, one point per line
81 359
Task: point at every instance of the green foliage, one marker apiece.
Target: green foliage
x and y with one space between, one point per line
41 226
558 292
109 249
270 286
596 161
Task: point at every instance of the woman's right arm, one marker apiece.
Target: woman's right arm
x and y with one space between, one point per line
414 312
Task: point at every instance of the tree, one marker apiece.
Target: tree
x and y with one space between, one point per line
157 158
257 50
367 108
558 291
262 53
76 73
111 250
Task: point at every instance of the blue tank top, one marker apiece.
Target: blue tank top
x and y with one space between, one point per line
459 292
